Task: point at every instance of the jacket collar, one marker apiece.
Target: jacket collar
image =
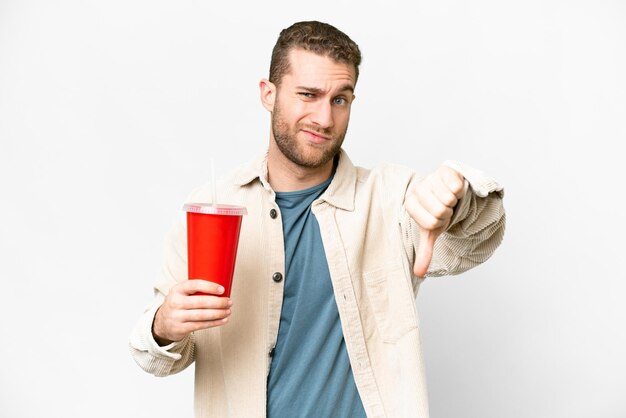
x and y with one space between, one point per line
340 192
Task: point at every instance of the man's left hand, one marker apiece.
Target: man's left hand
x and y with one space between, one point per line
431 202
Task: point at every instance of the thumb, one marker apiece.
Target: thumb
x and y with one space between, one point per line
424 252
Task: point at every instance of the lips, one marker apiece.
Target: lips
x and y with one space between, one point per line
316 136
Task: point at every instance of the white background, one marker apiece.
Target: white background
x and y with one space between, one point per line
110 112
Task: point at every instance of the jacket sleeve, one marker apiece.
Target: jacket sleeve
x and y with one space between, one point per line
475 231
175 357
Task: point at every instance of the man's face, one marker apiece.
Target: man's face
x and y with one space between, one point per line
312 108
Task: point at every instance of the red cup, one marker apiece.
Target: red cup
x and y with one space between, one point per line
212 239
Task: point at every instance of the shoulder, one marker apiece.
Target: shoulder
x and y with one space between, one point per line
231 184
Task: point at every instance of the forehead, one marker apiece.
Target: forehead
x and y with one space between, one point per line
314 70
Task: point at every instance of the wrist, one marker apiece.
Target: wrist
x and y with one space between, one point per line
161 341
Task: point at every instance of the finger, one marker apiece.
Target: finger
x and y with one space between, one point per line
205 315
435 208
443 192
197 326
430 201
201 286
424 252
424 217
454 181
206 302
188 327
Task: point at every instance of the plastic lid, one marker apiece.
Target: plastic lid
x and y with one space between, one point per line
211 209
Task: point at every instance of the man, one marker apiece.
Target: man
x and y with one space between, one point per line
322 320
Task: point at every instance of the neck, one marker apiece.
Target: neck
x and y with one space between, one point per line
286 176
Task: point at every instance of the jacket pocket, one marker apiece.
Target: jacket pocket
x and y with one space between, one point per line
391 301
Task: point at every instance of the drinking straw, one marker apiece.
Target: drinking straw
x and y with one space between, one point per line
213 195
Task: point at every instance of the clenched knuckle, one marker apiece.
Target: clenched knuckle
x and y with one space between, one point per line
437 213
176 303
429 224
450 200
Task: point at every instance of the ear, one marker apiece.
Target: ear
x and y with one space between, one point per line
268 94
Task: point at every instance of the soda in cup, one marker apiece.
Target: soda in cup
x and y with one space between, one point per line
212 239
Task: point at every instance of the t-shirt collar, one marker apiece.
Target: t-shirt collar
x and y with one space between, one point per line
340 193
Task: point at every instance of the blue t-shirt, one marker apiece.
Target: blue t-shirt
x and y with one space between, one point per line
310 375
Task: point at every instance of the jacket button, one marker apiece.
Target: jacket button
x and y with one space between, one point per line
277 277
273 214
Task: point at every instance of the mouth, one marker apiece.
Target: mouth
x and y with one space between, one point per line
316 137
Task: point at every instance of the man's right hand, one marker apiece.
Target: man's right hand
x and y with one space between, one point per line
182 312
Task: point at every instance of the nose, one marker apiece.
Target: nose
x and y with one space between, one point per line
322 115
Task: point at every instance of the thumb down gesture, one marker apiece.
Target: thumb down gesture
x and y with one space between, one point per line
431 202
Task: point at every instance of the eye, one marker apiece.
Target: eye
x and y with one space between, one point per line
306 95
340 101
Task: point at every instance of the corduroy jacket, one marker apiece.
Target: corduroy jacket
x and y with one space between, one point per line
370 243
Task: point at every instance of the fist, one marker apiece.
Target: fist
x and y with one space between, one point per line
184 311
431 202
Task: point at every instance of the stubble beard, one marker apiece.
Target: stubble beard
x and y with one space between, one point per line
295 152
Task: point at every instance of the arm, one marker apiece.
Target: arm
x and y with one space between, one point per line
454 220
152 357
162 342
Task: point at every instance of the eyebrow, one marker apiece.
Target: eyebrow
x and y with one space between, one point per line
315 90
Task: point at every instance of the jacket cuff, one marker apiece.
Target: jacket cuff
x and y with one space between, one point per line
171 351
146 351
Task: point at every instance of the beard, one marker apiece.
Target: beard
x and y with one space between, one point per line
307 155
